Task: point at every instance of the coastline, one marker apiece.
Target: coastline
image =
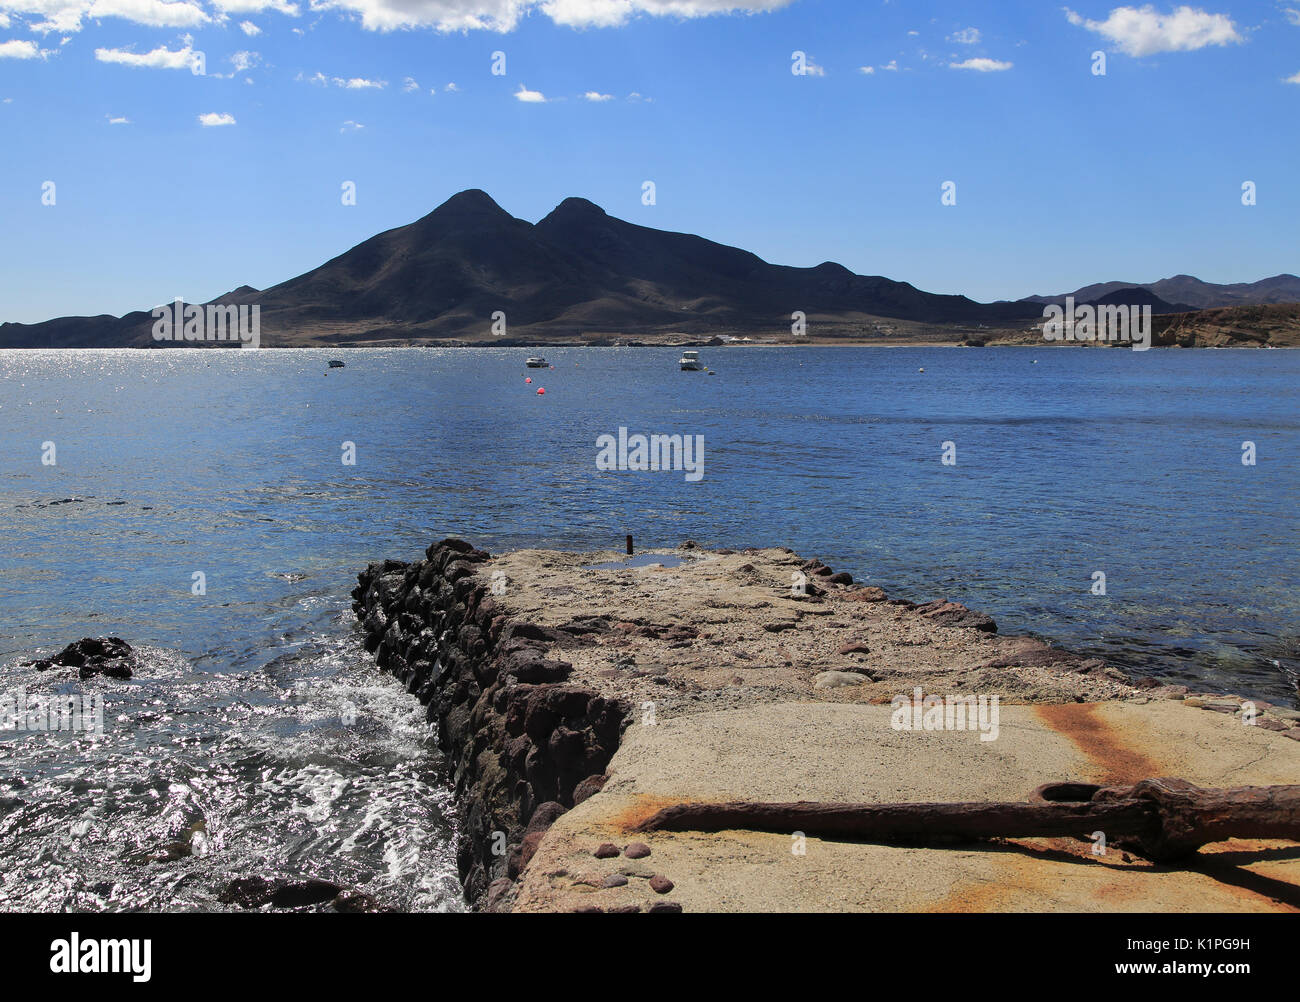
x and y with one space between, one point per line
572 700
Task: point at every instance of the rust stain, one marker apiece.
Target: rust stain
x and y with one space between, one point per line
644 807
1105 746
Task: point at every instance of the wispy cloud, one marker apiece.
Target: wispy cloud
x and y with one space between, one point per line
256 6
117 121
595 95
351 126
967 36
505 15
348 83
161 58
982 65
529 96
1144 31
214 118
249 29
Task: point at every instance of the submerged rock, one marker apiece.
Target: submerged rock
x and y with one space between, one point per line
110 656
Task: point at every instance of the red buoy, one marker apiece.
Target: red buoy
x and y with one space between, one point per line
541 390
528 379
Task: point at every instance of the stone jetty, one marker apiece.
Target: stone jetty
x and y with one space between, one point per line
575 694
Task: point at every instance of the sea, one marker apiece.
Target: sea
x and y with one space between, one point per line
213 507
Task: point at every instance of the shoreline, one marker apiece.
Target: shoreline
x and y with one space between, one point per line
539 668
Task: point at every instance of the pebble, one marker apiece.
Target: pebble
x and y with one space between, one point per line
637 850
853 649
662 885
606 850
614 880
1293 734
1269 724
671 907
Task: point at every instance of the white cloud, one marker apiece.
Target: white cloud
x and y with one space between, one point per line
118 121
67 15
967 36
1295 79
595 95
161 58
866 69
255 6
21 49
213 118
451 88
242 61
1144 31
981 65
505 15
351 126
4 19
249 29
529 96
409 85
813 69
349 83
892 66
1292 15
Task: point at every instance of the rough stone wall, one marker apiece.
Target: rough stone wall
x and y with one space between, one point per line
522 745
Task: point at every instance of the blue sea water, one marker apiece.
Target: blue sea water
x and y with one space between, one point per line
230 464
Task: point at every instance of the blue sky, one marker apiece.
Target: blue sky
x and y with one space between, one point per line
169 182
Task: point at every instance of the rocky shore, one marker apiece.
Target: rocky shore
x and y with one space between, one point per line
574 694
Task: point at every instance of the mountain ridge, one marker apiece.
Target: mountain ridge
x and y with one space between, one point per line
468 266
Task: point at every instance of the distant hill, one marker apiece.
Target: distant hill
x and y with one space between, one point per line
577 272
1275 325
1191 293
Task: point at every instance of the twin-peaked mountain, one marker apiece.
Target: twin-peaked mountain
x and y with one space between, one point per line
578 272
581 273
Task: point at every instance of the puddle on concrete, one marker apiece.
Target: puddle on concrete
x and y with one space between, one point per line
641 560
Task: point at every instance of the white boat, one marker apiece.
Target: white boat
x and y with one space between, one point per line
690 361
536 363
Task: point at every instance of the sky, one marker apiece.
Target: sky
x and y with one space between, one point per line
151 149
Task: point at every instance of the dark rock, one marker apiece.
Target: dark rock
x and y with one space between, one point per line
614 880
866 593
589 787
854 648
841 578
660 884
637 850
606 850
355 903
110 656
665 907
248 892
305 892
956 615
544 816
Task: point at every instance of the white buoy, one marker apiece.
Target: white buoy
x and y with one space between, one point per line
922 369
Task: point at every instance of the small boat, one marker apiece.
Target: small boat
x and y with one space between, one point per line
335 363
536 363
690 362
